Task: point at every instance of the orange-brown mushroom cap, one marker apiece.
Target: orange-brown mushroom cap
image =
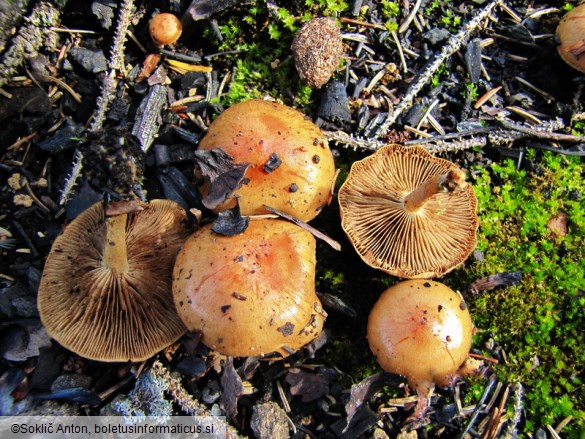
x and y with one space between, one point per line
571 38
251 294
408 213
105 292
422 330
165 29
291 166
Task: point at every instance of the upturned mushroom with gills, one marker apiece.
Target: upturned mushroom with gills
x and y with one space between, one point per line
251 294
105 292
408 213
422 330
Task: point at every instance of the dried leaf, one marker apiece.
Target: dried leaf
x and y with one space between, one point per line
230 222
201 9
495 280
363 391
221 175
309 385
183 67
231 384
557 224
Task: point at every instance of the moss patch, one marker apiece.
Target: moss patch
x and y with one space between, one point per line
540 322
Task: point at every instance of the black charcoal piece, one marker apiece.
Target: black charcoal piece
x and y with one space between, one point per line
334 106
473 59
92 60
66 137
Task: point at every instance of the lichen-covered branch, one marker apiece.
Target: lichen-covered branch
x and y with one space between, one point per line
182 398
355 142
34 33
72 178
115 63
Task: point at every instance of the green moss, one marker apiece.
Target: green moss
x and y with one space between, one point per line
540 322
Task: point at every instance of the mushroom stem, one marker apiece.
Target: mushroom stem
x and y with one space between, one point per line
448 182
115 251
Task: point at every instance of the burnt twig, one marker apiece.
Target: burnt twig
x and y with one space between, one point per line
494 281
479 407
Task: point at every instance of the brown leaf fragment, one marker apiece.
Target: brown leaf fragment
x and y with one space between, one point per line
494 281
287 329
233 388
220 174
159 76
308 385
557 224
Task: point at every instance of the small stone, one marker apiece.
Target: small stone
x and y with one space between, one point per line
436 35
71 381
14 181
380 434
269 421
317 50
478 256
23 200
92 60
104 10
406 434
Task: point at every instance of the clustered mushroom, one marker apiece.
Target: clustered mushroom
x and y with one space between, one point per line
252 294
105 292
291 166
413 215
